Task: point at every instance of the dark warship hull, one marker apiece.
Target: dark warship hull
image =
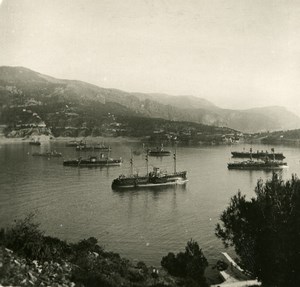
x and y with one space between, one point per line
35 143
159 153
72 144
92 162
258 155
257 165
92 148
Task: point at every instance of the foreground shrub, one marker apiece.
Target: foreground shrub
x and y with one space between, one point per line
34 259
190 264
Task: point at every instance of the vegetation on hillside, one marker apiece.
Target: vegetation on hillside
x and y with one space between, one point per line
265 231
67 119
280 137
30 258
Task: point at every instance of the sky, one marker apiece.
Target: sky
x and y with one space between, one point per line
236 53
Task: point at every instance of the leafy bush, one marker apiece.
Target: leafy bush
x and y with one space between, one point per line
142 266
26 239
190 264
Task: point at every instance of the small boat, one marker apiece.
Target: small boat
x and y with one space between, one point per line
137 152
73 143
158 151
259 154
266 164
35 142
48 154
93 161
155 178
99 147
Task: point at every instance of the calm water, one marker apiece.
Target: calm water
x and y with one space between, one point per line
74 203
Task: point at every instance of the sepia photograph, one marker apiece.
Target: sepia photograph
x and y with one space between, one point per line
150 143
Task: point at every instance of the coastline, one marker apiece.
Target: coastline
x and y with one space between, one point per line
89 139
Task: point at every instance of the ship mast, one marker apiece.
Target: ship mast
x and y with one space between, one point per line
250 153
174 157
147 165
131 164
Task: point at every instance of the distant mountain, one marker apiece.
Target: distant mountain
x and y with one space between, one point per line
273 118
182 102
18 84
260 119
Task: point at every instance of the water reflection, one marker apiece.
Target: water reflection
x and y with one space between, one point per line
254 175
158 191
154 190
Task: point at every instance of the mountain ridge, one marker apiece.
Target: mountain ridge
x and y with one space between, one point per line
175 108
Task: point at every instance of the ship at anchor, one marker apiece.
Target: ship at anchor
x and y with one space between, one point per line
154 178
260 164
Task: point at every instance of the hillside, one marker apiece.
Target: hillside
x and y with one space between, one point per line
32 104
291 137
20 87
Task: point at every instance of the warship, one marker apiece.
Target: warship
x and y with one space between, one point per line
154 178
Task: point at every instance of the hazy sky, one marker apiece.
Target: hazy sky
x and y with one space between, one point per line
236 53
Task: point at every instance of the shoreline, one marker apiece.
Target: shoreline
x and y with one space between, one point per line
89 139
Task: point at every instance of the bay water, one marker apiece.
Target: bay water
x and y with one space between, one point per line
74 203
